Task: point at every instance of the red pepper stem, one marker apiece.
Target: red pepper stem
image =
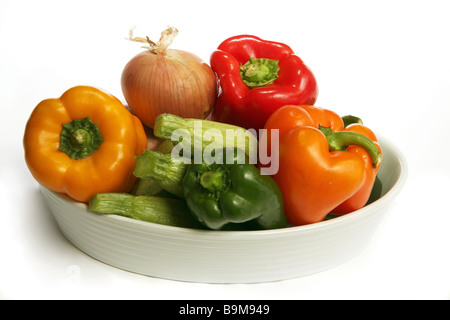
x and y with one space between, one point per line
259 72
340 141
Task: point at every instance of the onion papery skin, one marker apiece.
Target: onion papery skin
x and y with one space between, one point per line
176 82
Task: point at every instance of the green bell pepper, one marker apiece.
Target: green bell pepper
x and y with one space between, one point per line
236 192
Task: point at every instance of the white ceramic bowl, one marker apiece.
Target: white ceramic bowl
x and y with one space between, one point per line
227 256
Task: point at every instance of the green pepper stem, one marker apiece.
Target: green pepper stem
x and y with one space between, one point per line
213 181
80 138
339 141
259 72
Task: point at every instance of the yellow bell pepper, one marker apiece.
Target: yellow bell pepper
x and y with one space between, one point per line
83 143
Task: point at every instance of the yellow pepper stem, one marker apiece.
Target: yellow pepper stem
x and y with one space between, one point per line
80 138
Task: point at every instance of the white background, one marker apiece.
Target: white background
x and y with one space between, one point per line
385 61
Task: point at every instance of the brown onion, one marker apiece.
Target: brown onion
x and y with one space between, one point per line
161 80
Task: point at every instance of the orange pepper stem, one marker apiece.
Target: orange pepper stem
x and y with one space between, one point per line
339 141
349 119
80 138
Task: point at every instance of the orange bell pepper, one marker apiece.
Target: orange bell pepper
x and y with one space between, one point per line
360 198
322 165
83 143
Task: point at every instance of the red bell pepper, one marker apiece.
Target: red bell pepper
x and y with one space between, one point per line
256 78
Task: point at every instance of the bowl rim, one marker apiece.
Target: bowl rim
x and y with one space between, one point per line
150 226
